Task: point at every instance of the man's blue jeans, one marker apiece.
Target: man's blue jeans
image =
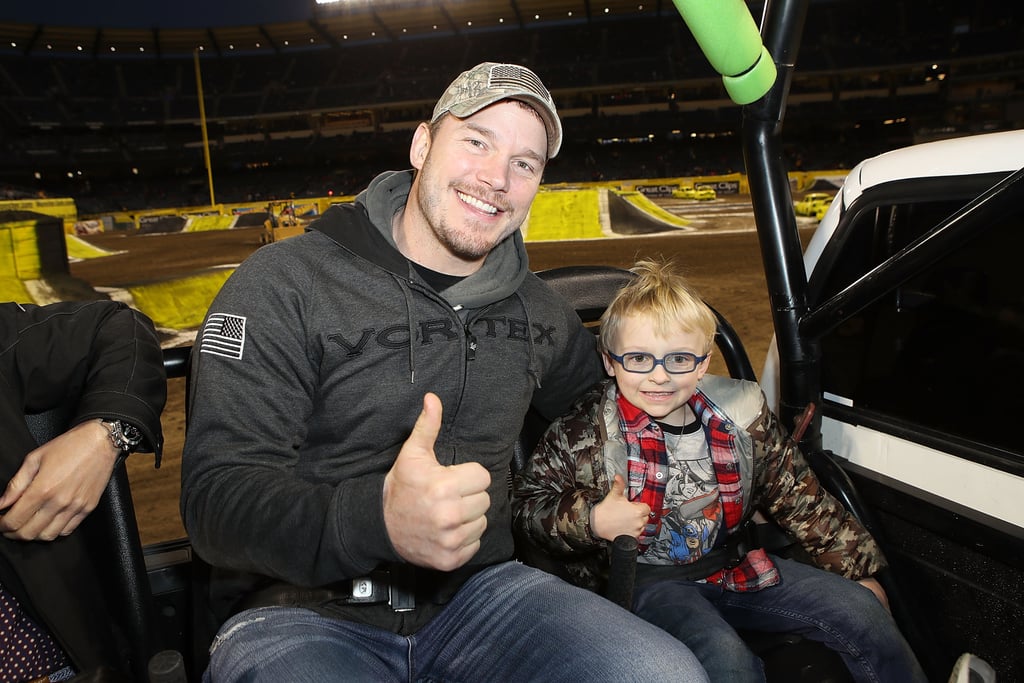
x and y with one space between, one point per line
508 623
814 603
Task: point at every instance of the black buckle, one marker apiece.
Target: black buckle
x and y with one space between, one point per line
402 586
741 542
401 600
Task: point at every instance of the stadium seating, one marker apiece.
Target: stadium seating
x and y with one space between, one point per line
107 115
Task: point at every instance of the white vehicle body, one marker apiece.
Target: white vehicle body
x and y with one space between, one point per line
942 472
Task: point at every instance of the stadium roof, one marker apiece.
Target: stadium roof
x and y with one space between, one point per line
347 22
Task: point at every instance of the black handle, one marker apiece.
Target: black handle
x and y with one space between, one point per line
622 571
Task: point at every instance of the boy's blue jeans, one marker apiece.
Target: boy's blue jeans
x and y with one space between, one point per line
817 604
508 623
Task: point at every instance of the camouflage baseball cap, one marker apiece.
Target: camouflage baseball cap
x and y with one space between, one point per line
487 83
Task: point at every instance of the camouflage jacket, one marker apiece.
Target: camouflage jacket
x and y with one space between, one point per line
566 476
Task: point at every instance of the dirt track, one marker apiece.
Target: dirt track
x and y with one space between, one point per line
724 266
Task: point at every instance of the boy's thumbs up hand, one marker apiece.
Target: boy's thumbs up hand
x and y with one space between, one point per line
616 514
434 514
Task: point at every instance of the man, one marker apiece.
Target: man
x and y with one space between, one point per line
358 390
101 362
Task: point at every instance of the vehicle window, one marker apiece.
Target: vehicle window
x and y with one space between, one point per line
946 349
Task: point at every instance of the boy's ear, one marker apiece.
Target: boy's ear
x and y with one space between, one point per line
705 364
608 367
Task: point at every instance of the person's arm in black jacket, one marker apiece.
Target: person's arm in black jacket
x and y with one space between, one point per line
105 359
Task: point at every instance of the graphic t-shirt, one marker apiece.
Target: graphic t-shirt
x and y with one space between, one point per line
693 510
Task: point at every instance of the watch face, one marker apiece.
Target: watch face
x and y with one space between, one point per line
124 435
131 433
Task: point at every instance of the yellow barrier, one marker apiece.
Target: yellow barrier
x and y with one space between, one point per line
61 207
564 216
209 222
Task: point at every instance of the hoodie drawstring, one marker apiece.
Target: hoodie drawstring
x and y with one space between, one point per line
532 369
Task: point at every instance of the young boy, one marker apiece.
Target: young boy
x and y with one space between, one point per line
681 460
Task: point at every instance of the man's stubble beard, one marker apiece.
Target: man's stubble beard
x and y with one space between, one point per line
459 243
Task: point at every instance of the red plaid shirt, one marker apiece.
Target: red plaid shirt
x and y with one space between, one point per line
648 457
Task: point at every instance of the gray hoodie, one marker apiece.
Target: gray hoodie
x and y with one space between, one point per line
305 385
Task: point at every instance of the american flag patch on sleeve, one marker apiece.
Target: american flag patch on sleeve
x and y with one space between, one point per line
224 335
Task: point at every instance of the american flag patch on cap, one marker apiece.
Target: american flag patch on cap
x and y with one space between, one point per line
224 335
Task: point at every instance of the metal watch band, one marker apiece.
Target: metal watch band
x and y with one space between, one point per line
125 436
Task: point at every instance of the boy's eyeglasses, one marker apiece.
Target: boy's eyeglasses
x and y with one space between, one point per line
678 363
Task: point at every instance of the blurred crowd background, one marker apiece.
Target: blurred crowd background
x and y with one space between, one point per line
120 130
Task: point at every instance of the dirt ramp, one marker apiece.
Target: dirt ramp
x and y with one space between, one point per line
626 218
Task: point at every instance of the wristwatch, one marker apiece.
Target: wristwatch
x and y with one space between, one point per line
125 436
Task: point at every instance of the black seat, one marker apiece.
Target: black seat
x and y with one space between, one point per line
112 532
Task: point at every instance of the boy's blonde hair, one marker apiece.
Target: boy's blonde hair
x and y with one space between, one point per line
661 293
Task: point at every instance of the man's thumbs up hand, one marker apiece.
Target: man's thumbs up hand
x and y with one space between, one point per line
434 514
